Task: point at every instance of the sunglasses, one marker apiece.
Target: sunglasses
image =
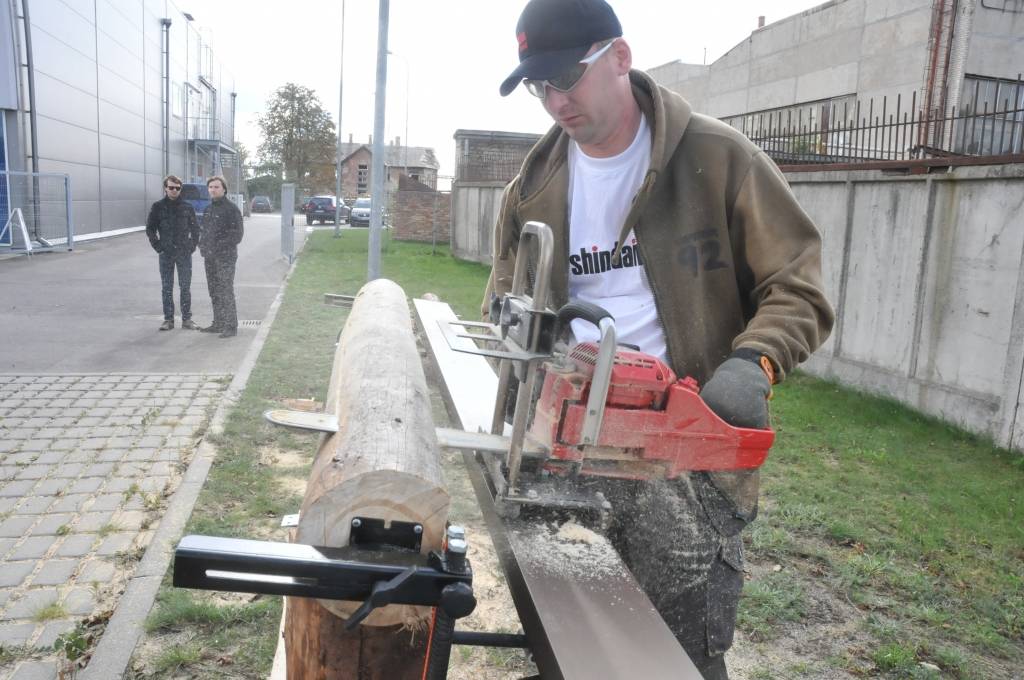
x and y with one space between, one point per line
568 80
173 188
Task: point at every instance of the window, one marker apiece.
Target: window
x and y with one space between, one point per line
804 132
994 111
361 178
206 62
177 100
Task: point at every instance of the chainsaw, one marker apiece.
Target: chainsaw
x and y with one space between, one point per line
593 410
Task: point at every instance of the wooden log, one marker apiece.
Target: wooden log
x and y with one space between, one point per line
329 652
384 462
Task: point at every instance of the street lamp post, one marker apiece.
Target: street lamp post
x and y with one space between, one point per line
377 196
341 83
405 146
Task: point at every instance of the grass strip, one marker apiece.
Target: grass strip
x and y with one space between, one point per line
913 522
248 490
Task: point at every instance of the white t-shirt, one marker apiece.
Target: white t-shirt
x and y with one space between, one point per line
601 192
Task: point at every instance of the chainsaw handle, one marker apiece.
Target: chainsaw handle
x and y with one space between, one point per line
581 309
605 322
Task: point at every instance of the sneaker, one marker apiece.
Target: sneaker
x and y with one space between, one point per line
212 328
167 325
228 333
189 325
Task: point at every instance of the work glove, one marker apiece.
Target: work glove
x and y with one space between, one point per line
738 391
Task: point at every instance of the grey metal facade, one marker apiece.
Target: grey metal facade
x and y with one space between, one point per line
102 103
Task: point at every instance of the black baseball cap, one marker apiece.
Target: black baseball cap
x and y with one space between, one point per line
555 34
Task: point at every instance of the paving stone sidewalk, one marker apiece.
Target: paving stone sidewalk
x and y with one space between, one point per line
86 465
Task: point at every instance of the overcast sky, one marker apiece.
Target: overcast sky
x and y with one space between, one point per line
454 53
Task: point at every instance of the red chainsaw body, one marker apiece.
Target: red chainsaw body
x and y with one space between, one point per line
655 424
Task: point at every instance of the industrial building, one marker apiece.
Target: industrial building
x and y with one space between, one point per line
925 55
115 94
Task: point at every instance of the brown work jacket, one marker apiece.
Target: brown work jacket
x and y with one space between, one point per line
732 259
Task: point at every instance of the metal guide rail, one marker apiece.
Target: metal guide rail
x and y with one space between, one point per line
582 621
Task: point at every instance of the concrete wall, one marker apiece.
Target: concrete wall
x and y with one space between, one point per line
99 98
998 30
924 272
475 208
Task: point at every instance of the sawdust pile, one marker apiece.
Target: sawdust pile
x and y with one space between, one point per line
575 533
569 551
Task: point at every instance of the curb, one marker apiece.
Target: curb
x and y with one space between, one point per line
116 647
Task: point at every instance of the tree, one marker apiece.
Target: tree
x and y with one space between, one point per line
298 136
243 154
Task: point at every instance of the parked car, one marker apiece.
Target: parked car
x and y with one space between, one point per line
262 204
360 215
322 208
197 196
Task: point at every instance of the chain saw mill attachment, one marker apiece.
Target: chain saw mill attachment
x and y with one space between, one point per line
602 410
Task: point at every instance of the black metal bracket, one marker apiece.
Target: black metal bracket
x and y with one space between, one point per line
349 573
372 571
375 534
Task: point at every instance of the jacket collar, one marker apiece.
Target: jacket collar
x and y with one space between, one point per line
668 116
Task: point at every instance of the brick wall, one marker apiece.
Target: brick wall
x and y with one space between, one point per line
418 211
350 187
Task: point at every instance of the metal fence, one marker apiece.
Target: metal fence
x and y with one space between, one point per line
987 126
43 203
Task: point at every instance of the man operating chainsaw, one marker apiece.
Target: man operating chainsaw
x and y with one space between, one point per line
688 234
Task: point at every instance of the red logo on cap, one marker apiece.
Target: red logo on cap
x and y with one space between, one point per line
523 46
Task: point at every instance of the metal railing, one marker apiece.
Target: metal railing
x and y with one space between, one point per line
893 133
43 202
205 128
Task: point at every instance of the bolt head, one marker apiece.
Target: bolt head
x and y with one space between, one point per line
356 523
418 529
457 545
455 531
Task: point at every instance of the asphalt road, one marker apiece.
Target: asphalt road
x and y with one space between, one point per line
97 309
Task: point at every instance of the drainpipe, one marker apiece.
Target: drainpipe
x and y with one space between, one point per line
29 62
238 157
166 24
963 26
939 9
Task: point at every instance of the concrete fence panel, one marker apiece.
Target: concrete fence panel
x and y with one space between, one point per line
924 272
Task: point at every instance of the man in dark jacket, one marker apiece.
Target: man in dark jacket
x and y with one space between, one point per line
174 233
712 266
222 232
